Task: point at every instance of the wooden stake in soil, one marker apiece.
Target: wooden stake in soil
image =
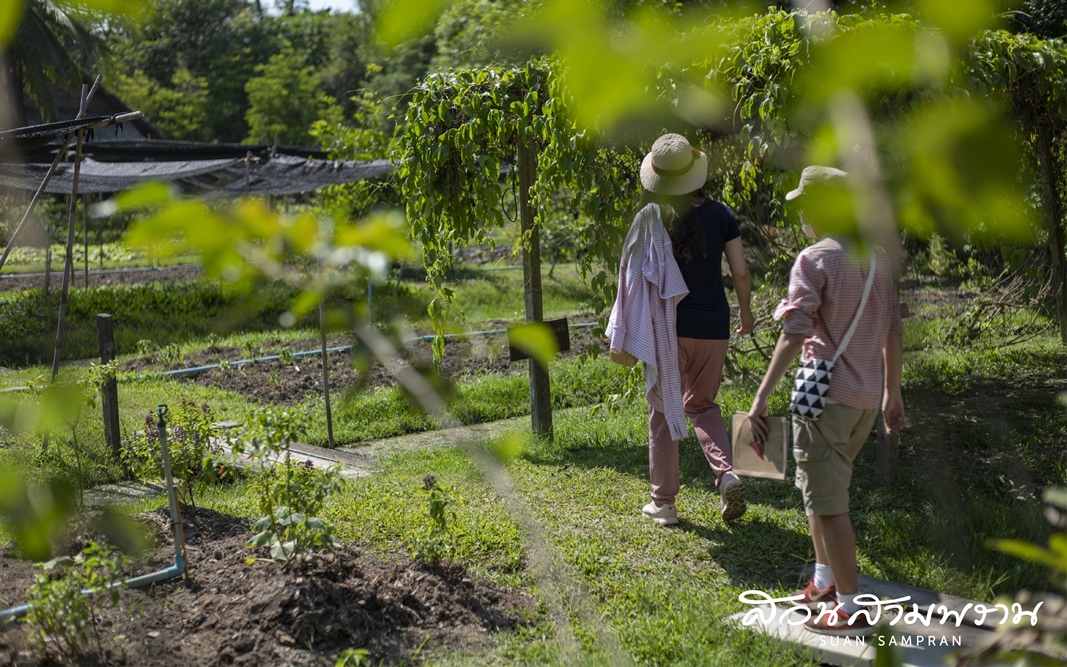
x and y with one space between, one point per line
85 230
105 339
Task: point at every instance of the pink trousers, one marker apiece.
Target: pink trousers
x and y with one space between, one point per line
700 363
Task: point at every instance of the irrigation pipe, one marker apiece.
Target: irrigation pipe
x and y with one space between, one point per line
310 353
175 570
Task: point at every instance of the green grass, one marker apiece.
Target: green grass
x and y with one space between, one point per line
663 593
985 435
388 412
83 433
498 294
23 259
155 315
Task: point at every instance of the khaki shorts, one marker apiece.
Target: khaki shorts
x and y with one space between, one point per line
824 450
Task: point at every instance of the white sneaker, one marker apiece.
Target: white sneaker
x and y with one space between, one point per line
733 497
664 515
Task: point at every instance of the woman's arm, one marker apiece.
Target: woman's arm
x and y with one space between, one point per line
735 257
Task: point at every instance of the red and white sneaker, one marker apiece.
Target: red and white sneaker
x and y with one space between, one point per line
814 597
839 623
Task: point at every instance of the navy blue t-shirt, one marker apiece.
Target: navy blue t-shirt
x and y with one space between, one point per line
705 312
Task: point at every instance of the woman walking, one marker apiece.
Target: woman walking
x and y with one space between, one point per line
681 333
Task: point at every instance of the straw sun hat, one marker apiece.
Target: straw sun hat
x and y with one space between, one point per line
814 175
674 167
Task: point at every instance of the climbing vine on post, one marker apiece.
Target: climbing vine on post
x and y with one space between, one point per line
471 138
1029 72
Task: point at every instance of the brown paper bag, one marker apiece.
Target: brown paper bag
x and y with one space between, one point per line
775 450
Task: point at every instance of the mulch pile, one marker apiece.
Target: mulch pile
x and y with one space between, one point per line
304 612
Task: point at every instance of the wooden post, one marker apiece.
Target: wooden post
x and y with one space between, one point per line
325 359
105 339
1052 213
540 389
886 453
47 258
100 234
85 231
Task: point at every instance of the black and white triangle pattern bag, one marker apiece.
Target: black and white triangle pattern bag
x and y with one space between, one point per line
808 398
809 388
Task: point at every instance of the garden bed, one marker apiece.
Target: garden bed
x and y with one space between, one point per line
225 611
101 278
272 382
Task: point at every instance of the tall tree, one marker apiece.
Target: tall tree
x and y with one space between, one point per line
283 100
53 47
218 41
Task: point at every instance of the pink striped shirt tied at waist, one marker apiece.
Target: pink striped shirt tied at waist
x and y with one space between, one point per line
642 321
825 288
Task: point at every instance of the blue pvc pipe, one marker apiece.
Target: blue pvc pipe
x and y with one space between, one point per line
171 572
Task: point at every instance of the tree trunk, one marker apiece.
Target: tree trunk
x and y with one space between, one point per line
1053 214
540 390
11 87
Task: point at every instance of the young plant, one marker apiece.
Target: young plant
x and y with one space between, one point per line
64 606
146 348
290 494
353 657
189 442
434 541
286 357
171 354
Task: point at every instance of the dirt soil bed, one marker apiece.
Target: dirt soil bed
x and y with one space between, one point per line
100 278
274 382
227 612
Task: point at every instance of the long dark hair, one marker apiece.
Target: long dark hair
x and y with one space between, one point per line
686 237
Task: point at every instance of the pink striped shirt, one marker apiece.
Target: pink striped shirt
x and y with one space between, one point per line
825 288
642 321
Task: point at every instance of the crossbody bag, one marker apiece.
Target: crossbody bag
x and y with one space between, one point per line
808 398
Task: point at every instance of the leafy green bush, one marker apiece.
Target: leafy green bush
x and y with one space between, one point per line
159 312
289 493
35 256
63 619
189 443
151 318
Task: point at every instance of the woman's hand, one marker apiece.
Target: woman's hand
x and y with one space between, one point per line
747 322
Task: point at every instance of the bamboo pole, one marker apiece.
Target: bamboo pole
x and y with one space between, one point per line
325 359
48 176
48 260
85 238
68 263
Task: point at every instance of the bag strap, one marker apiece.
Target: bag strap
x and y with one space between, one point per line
859 311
